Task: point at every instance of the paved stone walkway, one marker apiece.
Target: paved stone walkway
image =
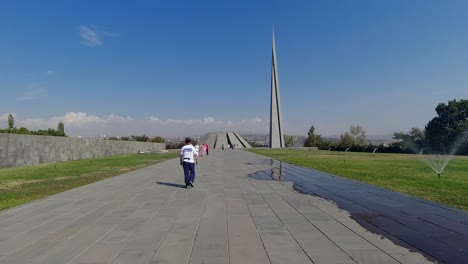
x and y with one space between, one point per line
245 208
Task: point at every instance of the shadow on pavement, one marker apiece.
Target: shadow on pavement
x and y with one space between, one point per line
172 184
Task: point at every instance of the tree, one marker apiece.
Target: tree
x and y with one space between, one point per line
313 140
22 130
310 140
414 140
444 130
356 136
175 145
11 122
255 144
289 140
61 128
346 140
143 138
158 139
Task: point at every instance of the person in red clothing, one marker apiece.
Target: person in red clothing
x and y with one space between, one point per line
207 148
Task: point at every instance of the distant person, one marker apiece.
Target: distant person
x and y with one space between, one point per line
207 149
222 146
188 159
197 148
203 150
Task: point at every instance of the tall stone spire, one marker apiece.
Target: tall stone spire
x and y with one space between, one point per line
276 127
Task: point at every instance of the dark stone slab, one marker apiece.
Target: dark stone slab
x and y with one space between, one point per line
438 230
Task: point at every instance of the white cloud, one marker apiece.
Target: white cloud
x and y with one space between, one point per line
116 118
82 120
209 120
90 37
83 124
254 120
75 120
33 91
34 123
181 122
4 118
204 121
254 124
155 120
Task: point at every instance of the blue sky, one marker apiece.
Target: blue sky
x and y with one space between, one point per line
175 68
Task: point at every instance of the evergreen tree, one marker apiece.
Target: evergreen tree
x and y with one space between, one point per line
313 140
11 122
61 129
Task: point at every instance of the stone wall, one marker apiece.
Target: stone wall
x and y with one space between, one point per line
22 150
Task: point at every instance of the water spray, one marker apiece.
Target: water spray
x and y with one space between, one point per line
438 162
373 152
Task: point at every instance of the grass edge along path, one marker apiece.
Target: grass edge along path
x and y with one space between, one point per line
404 173
25 184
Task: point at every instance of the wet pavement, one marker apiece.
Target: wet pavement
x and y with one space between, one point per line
437 230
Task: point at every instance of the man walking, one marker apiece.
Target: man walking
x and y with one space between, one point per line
188 159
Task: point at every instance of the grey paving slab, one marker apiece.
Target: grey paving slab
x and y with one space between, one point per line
39 229
142 246
178 244
245 244
211 242
278 242
114 242
245 208
316 244
67 250
28 252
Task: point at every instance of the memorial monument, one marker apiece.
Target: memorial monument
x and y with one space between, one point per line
276 128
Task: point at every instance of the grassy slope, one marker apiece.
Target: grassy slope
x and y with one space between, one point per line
25 184
397 172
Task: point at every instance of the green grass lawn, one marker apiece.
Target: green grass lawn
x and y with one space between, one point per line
25 184
398 172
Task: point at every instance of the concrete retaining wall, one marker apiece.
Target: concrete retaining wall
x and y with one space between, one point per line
21 150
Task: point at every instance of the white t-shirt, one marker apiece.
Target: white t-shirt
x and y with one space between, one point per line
188 152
